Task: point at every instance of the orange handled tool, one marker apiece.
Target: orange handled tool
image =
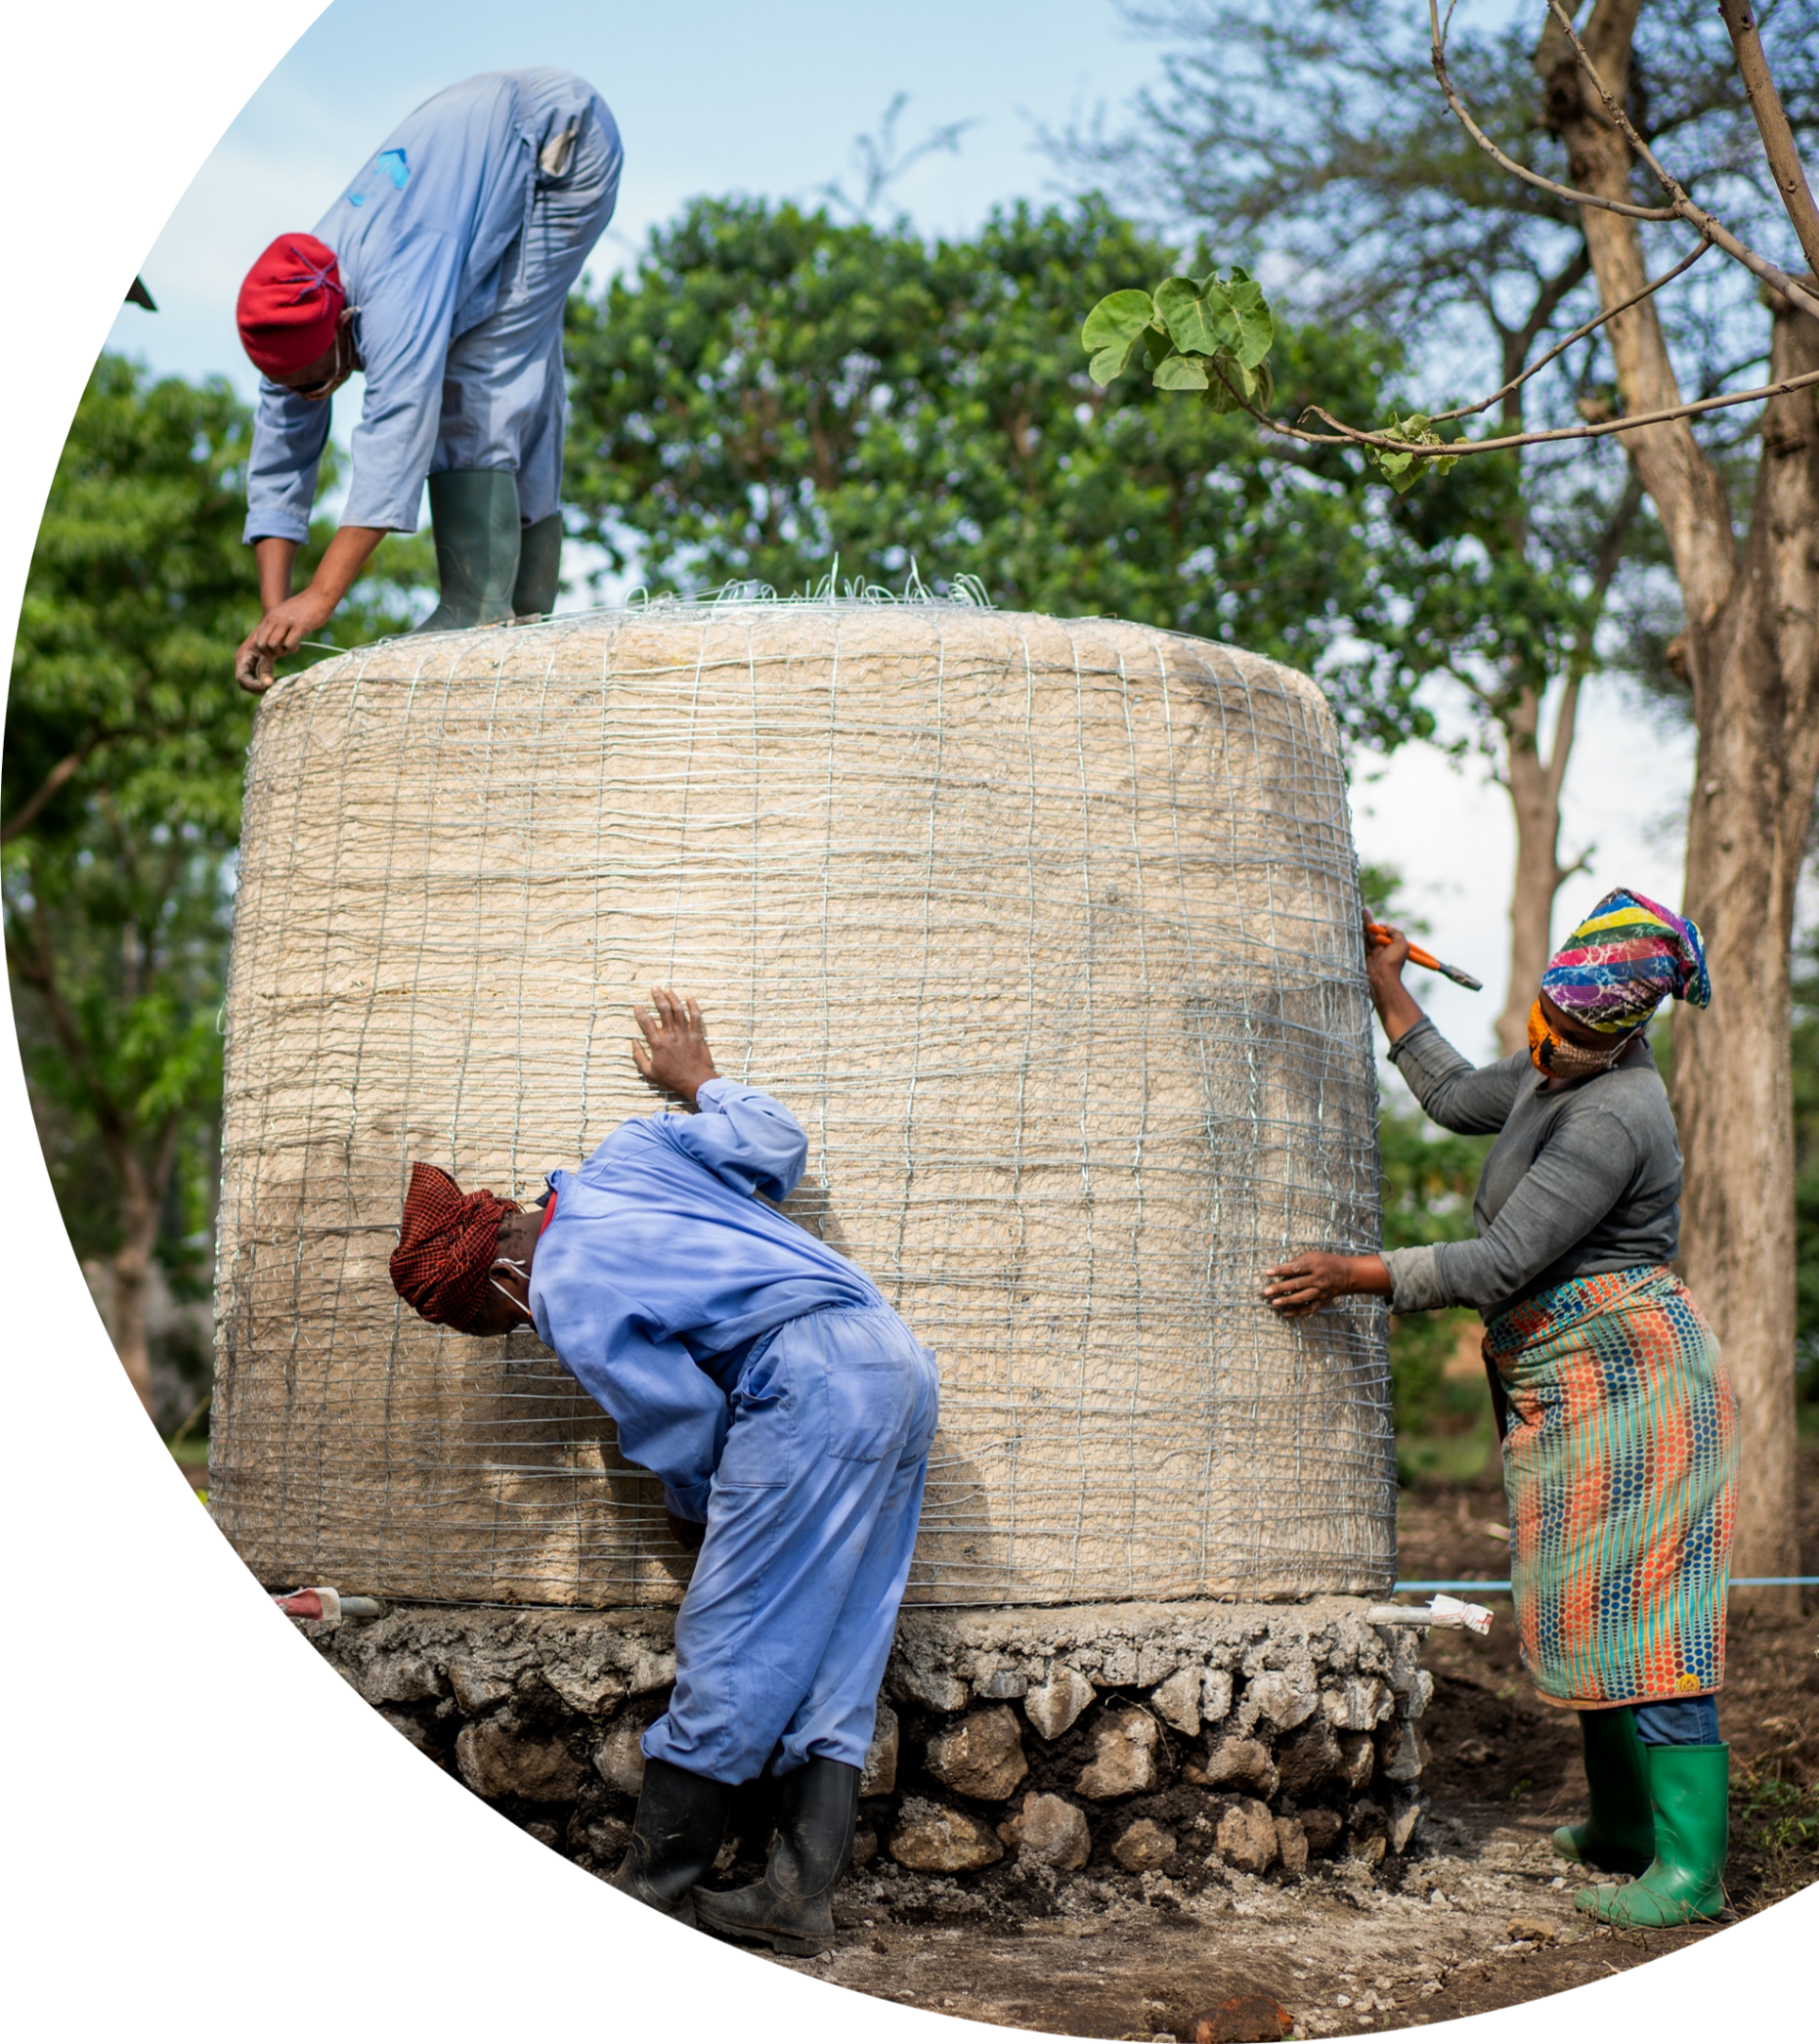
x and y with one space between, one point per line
1378 934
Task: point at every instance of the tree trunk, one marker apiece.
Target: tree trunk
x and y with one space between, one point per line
132 1280
1751 639
1533 787
1757 707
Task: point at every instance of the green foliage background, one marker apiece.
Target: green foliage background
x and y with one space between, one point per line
118 886
773 395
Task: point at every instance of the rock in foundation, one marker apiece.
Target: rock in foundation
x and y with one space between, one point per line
929 1837
1124 1757
496 1759
1143 1844
1246 1836
1177 1701
1054 1707
878 1775
981 1755
1049 1831
619 1759
1238 1764
1307 1759
1285 1704
1291 1845
1399 1751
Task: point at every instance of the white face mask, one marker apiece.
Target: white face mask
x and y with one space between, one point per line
517 1305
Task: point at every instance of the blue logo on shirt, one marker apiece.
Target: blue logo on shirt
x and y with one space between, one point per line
391 162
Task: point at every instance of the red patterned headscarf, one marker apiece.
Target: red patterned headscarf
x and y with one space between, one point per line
446 1246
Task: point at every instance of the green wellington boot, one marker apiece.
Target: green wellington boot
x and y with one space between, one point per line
791 1908
1689 1787
540 568
474 513
1619 1836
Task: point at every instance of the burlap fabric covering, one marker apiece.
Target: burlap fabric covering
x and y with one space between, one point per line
1047 931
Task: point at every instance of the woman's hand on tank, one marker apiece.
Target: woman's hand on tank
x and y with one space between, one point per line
1317 1277
675 1052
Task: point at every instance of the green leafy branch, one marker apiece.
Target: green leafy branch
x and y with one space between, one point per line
1212 337
1403 467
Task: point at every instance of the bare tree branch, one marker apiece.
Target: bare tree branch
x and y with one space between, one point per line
1602 429
1707 223
1544 310
1771 121
1550 186
37 967
59 775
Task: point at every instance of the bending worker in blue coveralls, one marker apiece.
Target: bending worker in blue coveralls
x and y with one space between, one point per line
764 1379
441 272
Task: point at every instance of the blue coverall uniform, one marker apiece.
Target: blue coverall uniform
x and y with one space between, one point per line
458 244
765 1381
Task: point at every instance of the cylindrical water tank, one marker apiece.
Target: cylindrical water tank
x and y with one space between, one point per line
1047 931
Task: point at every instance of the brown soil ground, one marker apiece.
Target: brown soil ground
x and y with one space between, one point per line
1478 1915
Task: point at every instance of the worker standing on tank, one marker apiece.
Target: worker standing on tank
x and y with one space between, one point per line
441 272
765 1381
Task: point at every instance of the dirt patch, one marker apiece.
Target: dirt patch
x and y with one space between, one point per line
1340 1957
1476 1916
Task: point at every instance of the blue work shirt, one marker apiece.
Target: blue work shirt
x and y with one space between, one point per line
661 1269
418 234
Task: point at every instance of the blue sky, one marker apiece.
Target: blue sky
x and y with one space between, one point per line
718 98
710 98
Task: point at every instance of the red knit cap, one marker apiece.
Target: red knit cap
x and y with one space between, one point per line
289 303
446 1246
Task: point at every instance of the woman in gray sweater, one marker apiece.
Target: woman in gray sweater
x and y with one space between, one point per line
1612 1401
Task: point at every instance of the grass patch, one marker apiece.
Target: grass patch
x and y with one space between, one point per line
1776 1823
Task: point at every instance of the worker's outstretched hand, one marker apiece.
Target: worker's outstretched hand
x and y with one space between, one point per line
283 630
675 1052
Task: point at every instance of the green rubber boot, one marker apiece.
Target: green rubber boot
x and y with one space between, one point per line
1619 1836
540 568
1690 1789
474 513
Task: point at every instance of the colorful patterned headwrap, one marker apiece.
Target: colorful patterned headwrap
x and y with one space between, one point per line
445 1246
1622 961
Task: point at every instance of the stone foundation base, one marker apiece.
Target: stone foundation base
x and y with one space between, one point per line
1030 1756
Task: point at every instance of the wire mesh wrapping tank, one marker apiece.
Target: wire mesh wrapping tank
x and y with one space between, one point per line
1047 931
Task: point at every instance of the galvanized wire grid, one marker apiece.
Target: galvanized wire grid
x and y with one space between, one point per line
1048 933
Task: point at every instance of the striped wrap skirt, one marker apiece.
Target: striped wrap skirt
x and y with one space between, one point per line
1619 1461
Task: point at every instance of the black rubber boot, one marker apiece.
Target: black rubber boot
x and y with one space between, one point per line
675 1835
791 1908
540 568
474 515
1619 1834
